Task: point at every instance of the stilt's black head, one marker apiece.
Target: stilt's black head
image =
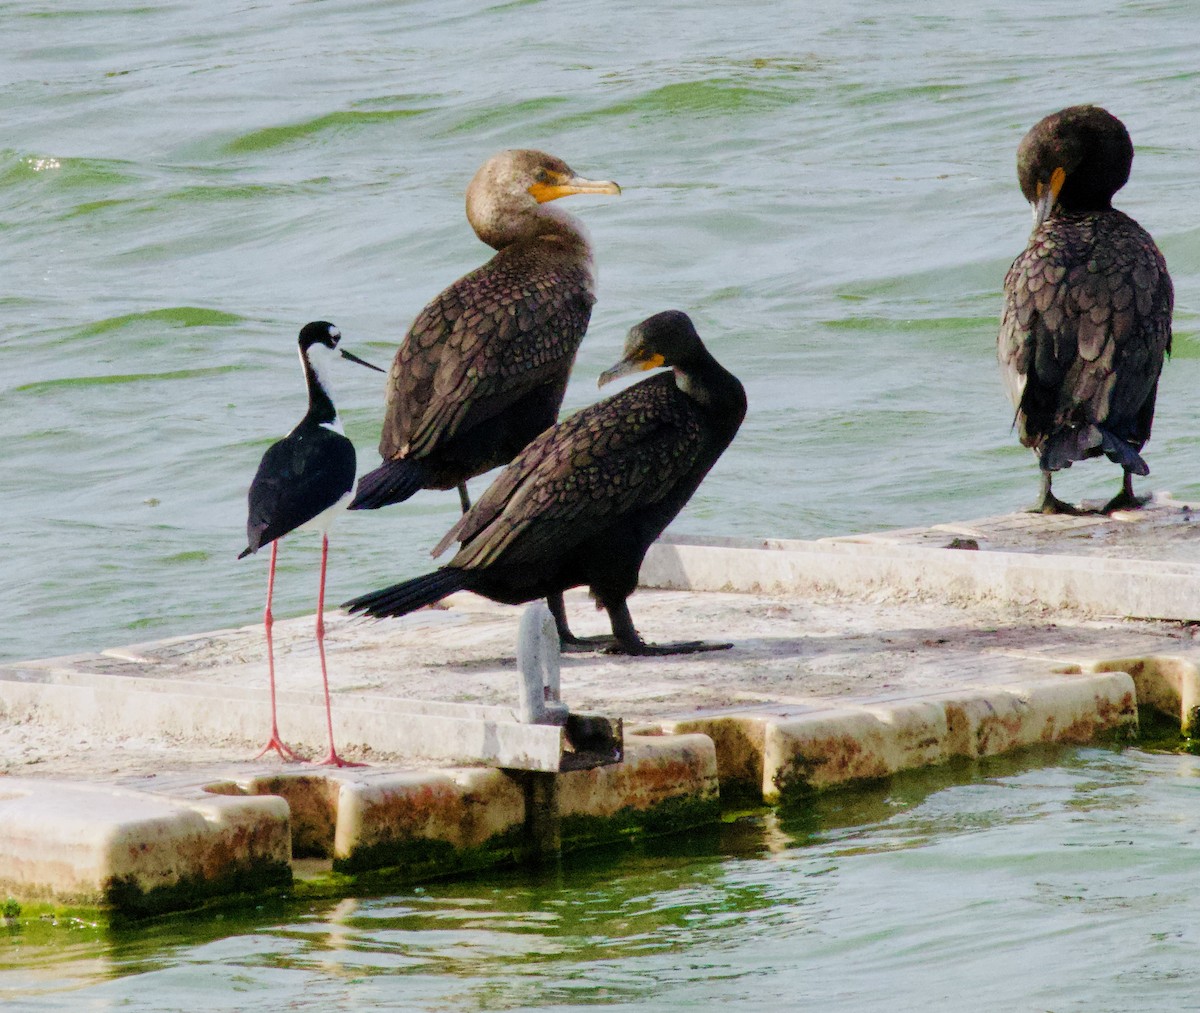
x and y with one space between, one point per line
319 332
322 332
1075 159
665 339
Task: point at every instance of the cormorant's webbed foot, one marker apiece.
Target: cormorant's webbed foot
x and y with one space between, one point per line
1051 504
584 645
568 642
1125 499
628 641
639 648
1048 503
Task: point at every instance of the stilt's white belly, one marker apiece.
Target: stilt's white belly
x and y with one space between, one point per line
324 520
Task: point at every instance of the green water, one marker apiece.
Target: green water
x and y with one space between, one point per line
1001 886
829 189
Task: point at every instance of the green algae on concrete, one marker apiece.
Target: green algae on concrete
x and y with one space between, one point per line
1168 683
774 754
458 817
665 784
738 742
822 750
436 823
127 895
106 847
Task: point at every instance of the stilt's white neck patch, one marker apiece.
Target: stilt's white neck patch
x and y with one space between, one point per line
322 358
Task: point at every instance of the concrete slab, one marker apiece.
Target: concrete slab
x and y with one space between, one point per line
1140 564
111 847
157 842
851 659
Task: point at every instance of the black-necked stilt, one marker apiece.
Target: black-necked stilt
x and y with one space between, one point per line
303 482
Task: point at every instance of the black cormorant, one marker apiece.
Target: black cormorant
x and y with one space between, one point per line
484 366
584 501
1087 305
303 482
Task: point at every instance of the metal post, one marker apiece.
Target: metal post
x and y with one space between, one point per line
538 652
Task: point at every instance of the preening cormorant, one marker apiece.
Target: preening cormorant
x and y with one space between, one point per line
484 366
582 503
303 482
1087 305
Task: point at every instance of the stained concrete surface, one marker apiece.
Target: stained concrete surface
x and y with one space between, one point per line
851 658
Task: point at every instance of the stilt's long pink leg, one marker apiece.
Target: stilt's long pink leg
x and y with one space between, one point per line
274 742
331 758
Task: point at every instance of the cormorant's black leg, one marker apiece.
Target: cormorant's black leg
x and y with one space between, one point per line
628 641
1048 503
570 643
1125 499
463 498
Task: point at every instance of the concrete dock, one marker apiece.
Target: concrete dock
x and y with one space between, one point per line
126 787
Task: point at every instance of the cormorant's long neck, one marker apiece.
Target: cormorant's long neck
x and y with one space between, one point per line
1084 194
709 383
501 224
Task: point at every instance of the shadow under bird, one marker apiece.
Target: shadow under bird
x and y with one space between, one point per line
484 366
1087 306
303 482
584 501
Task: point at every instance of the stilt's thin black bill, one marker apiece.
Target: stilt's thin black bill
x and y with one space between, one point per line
362 362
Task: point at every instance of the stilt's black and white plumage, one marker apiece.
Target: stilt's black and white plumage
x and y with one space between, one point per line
303 482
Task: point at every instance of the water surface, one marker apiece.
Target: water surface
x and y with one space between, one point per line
999 886
829 189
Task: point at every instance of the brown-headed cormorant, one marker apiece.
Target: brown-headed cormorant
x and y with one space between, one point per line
303 482
484 366
582 503
1087 305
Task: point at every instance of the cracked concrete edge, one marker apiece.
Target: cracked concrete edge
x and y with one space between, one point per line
110 847
782 756
173 845
1166 682
381 816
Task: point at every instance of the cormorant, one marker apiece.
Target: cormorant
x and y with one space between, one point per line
583 502
1087 306
303 482
484 366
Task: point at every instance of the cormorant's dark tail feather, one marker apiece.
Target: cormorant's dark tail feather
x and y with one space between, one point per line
1120 452
391 482
1076 443
403 598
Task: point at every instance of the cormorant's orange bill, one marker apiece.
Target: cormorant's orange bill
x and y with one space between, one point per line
561 185
1048 196
630 364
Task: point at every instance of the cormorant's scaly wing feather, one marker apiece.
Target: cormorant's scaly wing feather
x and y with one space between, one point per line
1085 327
499 332
628 452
